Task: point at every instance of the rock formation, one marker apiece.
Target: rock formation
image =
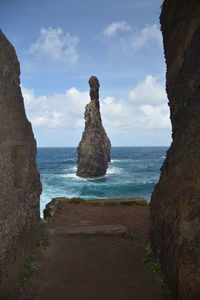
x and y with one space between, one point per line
94 148
19 179
175 206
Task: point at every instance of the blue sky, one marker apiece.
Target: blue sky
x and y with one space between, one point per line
60 44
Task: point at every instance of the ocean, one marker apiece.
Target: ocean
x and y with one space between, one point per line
132 172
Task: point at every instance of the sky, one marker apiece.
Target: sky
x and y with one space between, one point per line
60 44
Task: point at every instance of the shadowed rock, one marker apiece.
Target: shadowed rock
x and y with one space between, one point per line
175 206
19 179
94 148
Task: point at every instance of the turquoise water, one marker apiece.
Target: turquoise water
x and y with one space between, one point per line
132 172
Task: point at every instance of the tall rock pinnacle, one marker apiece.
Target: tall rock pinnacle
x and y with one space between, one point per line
94 147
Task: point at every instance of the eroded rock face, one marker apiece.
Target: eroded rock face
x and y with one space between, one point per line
175 206
94 148
19 179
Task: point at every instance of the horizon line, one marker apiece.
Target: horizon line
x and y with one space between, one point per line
111 147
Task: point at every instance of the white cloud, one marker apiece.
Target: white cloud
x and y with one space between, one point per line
149 103
148 34
155 117
134 40
57 111
144 109
149 91
116 114
143 38
113 28
54 43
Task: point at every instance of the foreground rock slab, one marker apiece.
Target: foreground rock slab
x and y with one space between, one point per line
56 204
19 179
96 229
175 207
95 252
94 147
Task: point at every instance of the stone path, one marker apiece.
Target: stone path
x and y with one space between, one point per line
94 253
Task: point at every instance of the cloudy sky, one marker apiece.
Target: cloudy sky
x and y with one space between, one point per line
60 44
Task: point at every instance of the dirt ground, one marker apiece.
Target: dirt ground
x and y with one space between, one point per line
94 253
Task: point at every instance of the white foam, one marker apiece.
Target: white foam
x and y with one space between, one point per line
75 177
115 160
122 161
72 175
71 169
113 170
96 178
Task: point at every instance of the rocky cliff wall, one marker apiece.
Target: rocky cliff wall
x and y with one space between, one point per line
19 179
175 206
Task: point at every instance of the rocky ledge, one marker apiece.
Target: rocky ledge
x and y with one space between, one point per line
92 252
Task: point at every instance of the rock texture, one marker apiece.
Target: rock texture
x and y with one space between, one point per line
19 179
94 148
175 206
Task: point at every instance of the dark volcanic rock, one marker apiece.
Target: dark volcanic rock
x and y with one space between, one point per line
19 179
175 206
94 148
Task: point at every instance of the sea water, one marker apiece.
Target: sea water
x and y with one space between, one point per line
132 172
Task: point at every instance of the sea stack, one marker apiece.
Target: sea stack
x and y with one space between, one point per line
94 147
19 179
